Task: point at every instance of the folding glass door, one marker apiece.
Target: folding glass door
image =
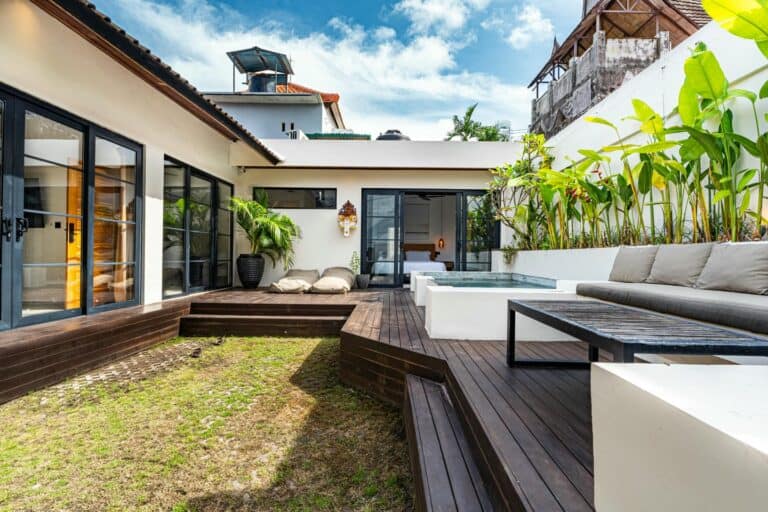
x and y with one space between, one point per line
70 212
197 231
382 238
475 231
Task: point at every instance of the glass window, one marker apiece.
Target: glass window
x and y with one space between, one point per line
299 198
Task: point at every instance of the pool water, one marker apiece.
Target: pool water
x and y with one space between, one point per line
490 283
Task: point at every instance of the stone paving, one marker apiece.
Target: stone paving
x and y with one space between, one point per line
137 367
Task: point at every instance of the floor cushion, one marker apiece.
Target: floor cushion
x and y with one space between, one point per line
633 264
295 281
334 280
736 267
679 264
732 309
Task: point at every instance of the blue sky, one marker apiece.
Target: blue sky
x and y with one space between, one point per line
406 64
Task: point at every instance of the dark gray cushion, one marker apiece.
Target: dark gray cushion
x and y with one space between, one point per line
740 267
679 264
633 264
731 309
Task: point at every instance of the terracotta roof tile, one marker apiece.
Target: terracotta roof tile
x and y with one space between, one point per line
294 88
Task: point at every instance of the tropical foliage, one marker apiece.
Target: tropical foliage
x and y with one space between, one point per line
465 128
270 233
704 179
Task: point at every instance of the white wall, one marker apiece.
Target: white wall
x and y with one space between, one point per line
265 120
323 244
571 264
43 58
687 438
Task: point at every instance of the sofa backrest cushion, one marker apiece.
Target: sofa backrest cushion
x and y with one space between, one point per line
633 264
679 264
737 267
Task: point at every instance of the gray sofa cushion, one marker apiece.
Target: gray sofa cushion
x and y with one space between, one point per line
633 264
679 264
738 310
737 267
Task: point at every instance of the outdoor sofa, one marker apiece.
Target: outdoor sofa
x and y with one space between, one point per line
724 284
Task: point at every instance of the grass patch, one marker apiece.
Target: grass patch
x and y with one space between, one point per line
253 424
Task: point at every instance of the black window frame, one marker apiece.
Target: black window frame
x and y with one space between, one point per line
215 208
17 103
335 191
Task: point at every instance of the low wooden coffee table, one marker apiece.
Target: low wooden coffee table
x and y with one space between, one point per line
625 331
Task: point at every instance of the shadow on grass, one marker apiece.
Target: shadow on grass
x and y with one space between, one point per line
349 454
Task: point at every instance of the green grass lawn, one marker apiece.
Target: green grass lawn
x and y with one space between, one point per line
253 424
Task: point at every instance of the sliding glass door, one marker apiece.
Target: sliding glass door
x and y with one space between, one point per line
70 215
197 231
382 237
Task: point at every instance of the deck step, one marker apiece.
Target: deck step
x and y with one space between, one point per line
261 325
270 309
445 472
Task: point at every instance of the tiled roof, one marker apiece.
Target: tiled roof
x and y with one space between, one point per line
101 24
294 88
692 10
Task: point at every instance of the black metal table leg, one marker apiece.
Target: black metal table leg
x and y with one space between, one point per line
511 336
594 354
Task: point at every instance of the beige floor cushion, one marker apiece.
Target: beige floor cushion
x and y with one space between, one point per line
295 281
335 280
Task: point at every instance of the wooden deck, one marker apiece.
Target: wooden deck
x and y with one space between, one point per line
527 431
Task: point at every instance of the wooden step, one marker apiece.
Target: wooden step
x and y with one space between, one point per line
245 308
445 472
261 325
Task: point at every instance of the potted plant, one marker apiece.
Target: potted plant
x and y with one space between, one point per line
363 280
271 234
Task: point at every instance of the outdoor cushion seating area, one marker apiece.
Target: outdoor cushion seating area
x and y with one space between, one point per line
724 284
333 280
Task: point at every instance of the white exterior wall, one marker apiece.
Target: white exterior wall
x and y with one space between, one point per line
265 120
562 265
686 438
43 58
323 244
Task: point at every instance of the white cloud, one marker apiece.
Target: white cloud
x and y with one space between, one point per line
384 82
384 33
443 16
531 27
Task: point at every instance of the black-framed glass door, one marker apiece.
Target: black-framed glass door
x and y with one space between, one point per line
475 231
382 256
197 231
6 214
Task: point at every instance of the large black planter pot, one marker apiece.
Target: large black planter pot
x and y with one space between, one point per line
250 269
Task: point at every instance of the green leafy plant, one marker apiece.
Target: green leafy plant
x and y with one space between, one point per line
270 233
354 262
